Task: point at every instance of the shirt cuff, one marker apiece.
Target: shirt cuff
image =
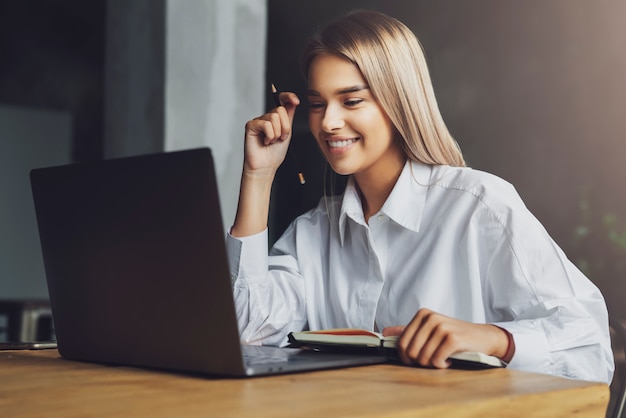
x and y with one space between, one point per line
531 345
248 256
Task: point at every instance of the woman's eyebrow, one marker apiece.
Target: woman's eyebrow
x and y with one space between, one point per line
352 89
342 90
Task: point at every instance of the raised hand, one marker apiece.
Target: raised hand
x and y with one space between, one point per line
268 136
266 142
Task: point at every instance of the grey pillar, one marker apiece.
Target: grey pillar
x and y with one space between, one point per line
182 74
134 115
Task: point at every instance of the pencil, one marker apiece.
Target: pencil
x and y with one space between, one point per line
275 96
277 102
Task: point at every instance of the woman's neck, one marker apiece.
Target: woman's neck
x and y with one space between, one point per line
375 187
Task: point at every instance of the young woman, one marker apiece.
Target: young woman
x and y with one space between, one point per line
420 246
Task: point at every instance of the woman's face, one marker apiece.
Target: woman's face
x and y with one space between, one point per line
354 133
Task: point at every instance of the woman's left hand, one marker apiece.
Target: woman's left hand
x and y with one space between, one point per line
430 338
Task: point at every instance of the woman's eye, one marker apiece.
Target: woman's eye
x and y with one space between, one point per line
316 105
353 102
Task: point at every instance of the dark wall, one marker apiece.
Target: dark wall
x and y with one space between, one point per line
52 57
290 25
533 91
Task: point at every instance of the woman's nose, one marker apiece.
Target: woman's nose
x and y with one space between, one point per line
333 118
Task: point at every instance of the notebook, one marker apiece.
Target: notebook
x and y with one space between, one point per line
135 260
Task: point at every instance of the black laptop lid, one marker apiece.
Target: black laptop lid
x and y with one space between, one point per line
134 250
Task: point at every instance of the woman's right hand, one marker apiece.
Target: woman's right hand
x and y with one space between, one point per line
267 140
267 137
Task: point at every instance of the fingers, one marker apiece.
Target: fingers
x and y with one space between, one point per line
429 339
290 101
412 340
393 331
277 124
438 348
267 128
285 122
434 352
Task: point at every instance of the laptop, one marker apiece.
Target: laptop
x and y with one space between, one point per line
135 260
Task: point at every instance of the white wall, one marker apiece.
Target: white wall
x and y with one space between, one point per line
215 68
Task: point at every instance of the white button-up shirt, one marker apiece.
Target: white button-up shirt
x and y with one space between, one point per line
455 240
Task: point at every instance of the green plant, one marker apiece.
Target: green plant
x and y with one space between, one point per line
599 240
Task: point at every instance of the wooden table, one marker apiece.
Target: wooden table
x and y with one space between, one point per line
40 383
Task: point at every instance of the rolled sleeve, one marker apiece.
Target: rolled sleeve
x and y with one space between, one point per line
269 300
254 250
532 351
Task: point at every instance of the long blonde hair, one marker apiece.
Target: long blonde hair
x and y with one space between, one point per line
392 61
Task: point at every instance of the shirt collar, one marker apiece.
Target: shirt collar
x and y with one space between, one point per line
405 204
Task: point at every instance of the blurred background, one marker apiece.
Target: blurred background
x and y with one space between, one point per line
534 91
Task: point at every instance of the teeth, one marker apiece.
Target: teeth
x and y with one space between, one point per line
339 144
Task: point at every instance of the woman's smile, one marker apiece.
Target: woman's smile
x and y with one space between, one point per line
340 145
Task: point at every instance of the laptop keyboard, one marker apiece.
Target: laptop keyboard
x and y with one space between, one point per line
261 355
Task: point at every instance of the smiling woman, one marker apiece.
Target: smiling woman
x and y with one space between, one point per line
447 258
391 58
353 132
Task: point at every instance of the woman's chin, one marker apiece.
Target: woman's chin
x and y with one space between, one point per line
341 169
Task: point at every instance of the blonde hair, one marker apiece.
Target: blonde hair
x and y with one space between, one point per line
391 60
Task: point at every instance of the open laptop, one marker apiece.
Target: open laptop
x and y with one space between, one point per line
135 259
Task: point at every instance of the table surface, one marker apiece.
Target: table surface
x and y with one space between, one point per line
41 383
